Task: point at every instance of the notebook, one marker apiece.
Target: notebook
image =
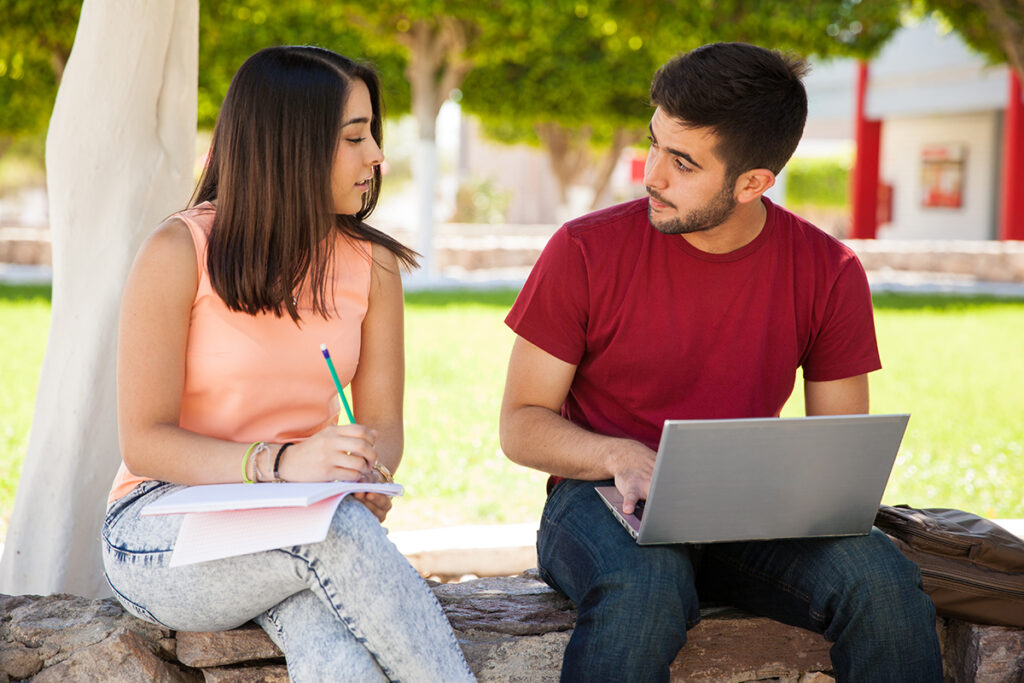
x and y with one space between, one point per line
765 478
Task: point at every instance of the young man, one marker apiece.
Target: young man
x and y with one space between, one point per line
700 301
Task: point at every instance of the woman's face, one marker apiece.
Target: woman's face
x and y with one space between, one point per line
357 153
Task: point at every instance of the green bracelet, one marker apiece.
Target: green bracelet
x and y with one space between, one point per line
245 463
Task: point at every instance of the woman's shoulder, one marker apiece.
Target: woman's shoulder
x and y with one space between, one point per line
383 257
385 271
168 255
172 238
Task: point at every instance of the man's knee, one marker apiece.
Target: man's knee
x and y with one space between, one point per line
659 599
887 590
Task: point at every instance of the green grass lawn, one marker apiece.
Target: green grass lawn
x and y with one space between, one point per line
24 322
956 364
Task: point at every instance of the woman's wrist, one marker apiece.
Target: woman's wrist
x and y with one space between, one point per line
384 475
277 460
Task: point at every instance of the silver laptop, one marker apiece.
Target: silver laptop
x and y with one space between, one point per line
765 478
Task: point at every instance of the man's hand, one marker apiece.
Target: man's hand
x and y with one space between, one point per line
378 503
632 465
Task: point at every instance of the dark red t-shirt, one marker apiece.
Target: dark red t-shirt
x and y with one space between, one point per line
660 330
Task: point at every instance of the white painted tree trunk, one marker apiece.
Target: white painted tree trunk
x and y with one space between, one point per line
424 173
119 156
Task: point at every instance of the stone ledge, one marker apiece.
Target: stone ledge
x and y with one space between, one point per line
511 629
471 247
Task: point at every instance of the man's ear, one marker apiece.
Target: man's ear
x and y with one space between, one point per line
752 184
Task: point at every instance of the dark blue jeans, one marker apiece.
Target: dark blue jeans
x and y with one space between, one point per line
636 602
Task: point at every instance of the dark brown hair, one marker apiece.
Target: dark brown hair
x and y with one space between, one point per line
269 171
751 97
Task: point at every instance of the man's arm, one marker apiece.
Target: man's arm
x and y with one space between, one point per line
533 432
848 396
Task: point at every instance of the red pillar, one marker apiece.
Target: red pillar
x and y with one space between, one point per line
864 185
1011 203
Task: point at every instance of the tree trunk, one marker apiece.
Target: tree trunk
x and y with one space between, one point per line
437 65
569 155
5 144
577 166
119 157
622 138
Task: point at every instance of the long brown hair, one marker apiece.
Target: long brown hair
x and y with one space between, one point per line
269 172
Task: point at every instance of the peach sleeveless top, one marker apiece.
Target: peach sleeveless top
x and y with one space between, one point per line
259 377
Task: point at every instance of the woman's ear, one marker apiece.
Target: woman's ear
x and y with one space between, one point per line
752 184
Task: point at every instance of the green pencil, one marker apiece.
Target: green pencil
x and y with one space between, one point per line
337 382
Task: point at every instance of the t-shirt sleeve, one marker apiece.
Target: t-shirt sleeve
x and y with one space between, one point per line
551 310
845 345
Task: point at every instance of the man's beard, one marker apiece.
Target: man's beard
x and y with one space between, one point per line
711 215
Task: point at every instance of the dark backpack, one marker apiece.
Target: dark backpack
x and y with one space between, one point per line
972 568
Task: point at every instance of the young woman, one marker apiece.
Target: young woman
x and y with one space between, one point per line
220 379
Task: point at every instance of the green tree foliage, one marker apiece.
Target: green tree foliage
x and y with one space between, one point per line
580 86
444 40
231 30
35 41
995 28
37 37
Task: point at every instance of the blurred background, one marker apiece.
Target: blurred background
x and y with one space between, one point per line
505 118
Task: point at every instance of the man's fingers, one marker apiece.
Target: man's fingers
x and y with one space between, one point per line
629 498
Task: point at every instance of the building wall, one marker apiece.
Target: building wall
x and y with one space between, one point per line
930 91
907 141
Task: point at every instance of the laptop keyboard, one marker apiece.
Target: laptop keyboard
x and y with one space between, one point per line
638 509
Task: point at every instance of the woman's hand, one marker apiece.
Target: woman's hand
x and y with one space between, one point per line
335 453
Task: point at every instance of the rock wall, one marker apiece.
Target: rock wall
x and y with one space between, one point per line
511 629
470 248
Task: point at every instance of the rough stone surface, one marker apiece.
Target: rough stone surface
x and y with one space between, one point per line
218 648
517 606
511 629
511 659
732 646
983 654
124 657
41 632
268 673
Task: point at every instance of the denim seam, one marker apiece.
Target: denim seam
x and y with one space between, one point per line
450 632
134 553
126 601
272 618
782 585
332 600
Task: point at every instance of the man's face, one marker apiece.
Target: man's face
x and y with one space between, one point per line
685 179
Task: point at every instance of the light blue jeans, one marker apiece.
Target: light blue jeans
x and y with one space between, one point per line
350 607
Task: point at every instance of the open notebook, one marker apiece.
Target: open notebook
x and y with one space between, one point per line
225 520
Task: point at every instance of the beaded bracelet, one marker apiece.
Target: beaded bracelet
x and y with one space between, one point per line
277 460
